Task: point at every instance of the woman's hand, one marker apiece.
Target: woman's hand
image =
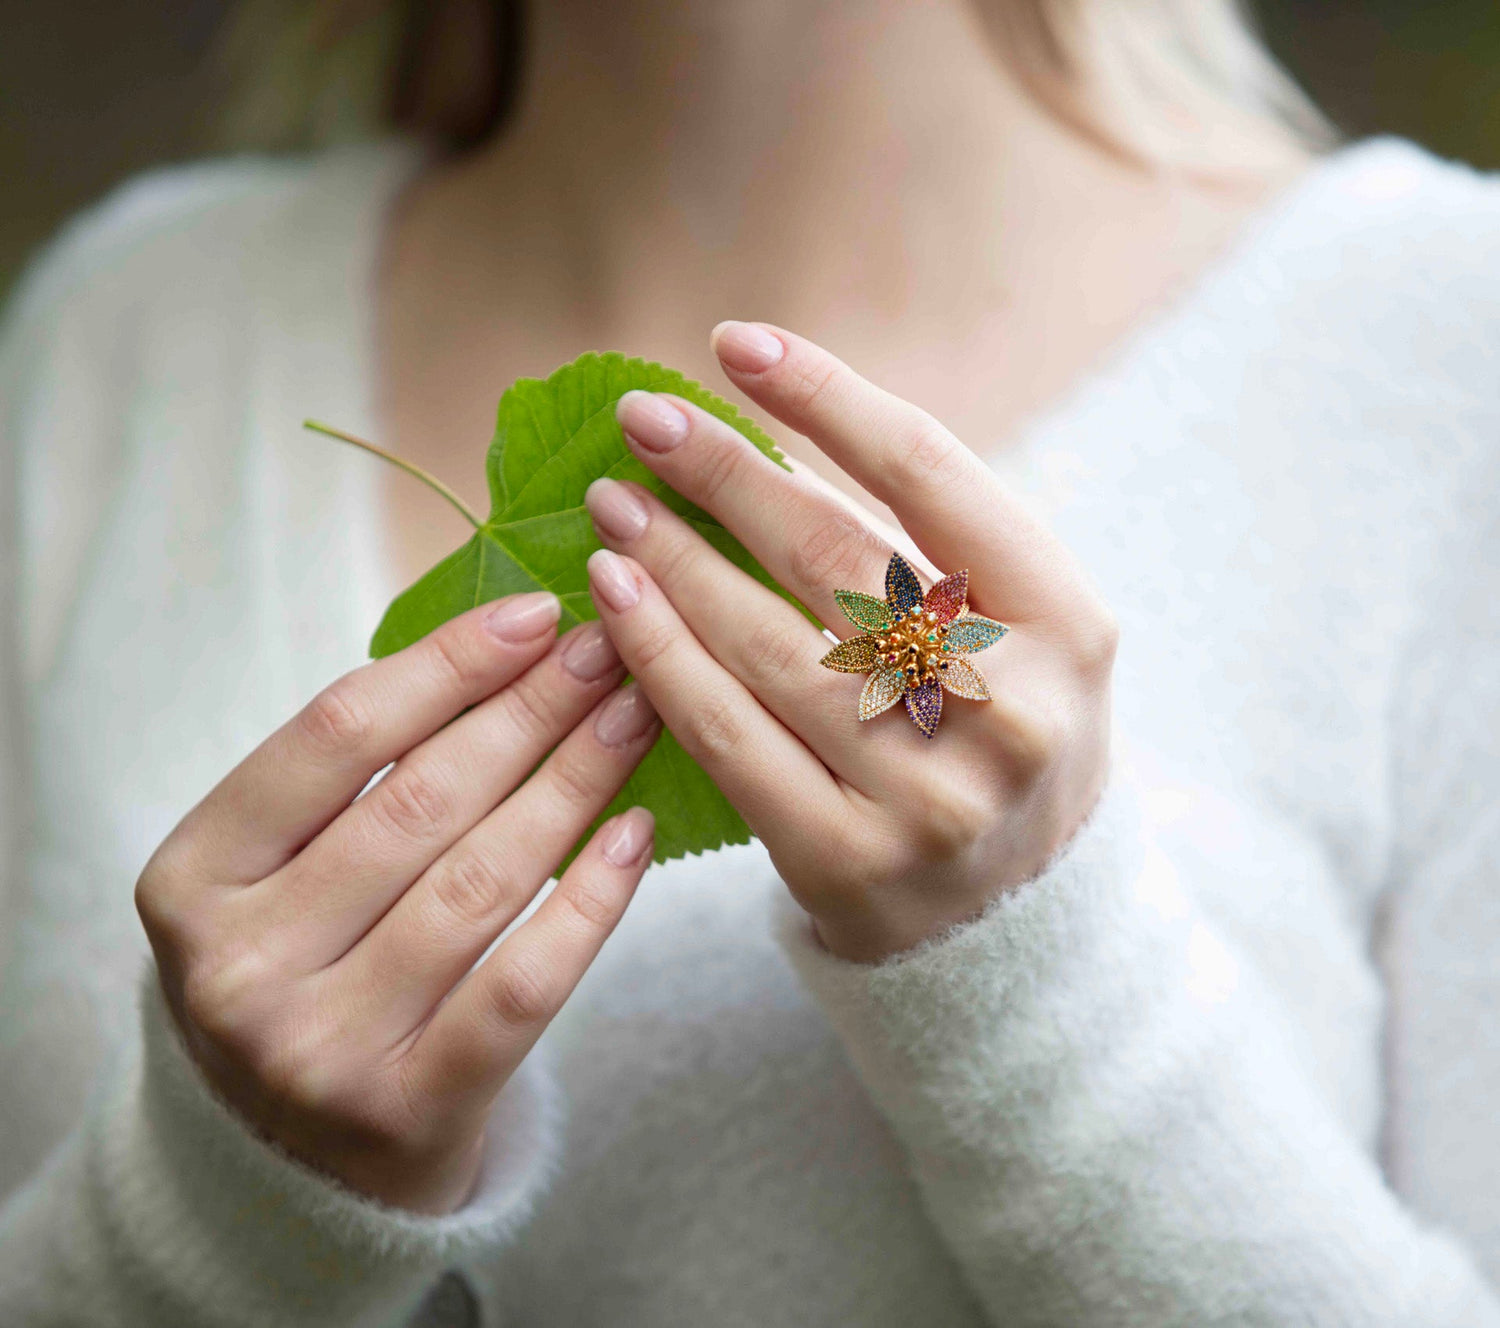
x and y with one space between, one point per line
307 936
884 837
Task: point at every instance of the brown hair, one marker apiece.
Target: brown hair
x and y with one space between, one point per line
308 72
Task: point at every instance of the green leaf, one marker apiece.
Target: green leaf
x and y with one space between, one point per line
553 438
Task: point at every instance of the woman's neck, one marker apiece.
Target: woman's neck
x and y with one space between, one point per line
865 171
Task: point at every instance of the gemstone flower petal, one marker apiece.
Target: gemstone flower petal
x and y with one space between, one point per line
949 598
902 589
856 655
864 610
971 633
925 706
963 679
882 690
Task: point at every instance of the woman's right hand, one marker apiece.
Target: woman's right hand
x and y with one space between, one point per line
308 937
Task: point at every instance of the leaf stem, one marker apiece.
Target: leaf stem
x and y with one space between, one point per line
431 481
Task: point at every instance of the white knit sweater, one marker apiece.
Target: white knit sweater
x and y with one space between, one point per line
1234 1058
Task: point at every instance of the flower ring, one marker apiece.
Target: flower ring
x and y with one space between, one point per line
912 644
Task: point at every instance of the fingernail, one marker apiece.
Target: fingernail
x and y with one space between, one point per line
628 837
612 578
524 617
625 718
746 347
615 509
590 654
653 421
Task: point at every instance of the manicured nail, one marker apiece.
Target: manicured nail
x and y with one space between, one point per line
626 717
524 617
628 837
613 580
745 347
616 509
590 654
653 421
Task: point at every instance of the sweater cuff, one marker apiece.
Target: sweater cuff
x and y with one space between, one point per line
221 1217
1034 925
1033 976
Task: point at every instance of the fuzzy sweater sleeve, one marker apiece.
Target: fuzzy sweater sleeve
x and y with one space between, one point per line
161 1208
158 1207
1108 1122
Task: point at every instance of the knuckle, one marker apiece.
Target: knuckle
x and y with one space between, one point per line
573 780
412 803
1030 742
720 466
771 650
593 902
674 560
835 551
521 994
713 730
529 711
657 640
455 662
338 720
811 383
159 901
1099 644
295 1068
468 889
221 1002
954 819
926 458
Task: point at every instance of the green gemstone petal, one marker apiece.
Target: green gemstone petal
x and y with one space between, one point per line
864 610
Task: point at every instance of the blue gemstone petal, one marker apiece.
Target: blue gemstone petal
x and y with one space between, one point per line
903 592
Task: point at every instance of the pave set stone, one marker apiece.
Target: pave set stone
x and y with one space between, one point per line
913 644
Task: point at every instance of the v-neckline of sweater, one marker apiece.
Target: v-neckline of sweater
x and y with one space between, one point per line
397 163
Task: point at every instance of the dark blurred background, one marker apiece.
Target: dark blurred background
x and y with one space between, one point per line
92 91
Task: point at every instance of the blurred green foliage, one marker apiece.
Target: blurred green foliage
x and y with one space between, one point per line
1427 69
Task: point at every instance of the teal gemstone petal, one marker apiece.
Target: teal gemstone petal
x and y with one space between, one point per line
971 633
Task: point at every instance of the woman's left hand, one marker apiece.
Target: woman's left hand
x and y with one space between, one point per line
884 837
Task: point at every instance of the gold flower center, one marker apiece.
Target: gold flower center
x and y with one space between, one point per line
914 644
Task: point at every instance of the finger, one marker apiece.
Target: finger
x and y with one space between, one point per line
953 505
325 899
811 539
305 773
481 1033
769 775
433 934
754 633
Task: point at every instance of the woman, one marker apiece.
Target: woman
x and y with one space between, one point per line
1152 991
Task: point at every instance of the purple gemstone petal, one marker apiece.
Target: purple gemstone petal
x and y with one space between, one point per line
925 706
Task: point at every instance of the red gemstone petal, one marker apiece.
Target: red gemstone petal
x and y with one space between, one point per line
949 597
